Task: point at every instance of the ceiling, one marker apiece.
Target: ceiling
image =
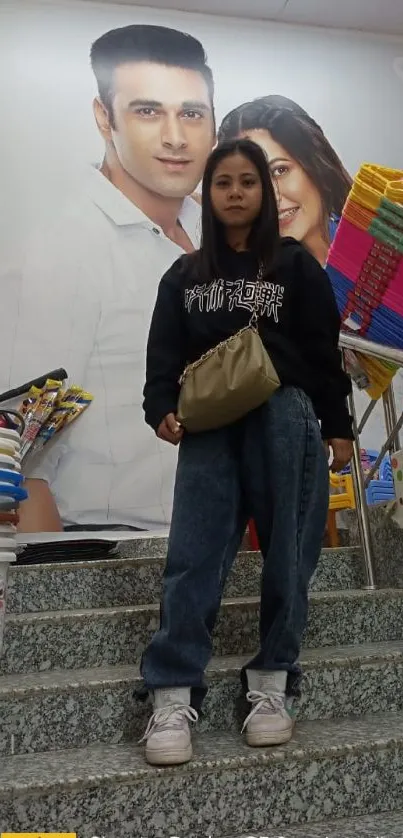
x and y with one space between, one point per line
383 16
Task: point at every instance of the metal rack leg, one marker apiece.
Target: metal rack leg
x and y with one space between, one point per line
361 502
391 420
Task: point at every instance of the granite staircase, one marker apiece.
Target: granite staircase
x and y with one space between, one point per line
69 725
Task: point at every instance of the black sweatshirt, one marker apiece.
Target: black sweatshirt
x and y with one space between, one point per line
299 324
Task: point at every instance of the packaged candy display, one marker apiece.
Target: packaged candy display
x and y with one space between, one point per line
47 411
36 409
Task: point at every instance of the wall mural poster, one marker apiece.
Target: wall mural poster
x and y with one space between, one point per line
103 259
312 183
90 276
312 186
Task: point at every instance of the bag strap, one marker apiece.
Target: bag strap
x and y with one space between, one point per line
253 322
254 319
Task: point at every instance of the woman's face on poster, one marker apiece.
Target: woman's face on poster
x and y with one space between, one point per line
299 202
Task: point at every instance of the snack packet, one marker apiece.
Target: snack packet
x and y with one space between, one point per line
39 406
65 412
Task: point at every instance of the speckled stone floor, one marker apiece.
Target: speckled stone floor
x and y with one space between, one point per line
136 580
329 770
55 710
386 825
97 637
69 725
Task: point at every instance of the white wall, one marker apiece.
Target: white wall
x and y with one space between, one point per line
348 82
345 80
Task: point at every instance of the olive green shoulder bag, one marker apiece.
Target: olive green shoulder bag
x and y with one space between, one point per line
229 381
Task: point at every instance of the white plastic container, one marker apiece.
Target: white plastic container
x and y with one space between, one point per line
8 531
8 461
9 447
6 558
7 544
10 433
10 442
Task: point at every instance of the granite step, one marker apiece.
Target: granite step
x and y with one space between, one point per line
345 768
61 710
136 580
385 825
92 638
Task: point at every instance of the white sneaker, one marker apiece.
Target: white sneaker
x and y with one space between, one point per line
168 733
269 722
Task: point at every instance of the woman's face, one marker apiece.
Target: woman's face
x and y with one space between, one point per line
236 191
299 202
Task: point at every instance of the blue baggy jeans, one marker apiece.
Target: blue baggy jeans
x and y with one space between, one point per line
270 466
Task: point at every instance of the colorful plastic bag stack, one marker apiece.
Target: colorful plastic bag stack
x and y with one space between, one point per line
11 495
365 266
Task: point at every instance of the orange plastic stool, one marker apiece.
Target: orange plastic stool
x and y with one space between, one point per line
343 499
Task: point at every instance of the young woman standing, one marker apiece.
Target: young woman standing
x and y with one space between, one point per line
271 465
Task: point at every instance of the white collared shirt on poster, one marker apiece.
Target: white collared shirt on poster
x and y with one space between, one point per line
88 287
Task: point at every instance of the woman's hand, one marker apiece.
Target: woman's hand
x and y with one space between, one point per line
342 453
170 430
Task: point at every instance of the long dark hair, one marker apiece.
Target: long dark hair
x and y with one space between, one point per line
264 236
301 137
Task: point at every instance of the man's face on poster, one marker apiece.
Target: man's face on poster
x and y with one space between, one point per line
163 126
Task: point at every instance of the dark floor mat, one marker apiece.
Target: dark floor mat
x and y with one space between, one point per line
67 551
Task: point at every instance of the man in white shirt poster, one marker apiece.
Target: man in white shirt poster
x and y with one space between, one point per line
89 281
